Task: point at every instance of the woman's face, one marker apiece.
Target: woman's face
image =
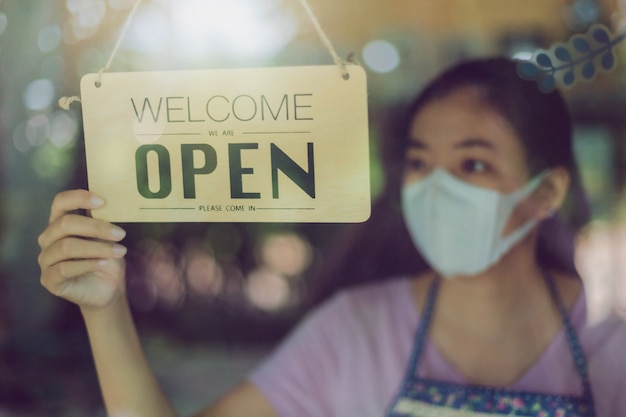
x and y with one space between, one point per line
463 135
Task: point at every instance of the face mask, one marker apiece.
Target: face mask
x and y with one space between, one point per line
458 226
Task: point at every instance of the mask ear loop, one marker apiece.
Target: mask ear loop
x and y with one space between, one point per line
519 195
535 183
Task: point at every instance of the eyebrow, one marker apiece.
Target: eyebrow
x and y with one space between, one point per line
475 142
415 143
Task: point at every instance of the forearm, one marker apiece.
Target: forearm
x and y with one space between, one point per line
128 385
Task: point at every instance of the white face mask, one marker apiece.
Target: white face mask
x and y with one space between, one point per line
458 226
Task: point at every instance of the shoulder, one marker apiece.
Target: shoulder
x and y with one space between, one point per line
328 348
365 301
361 318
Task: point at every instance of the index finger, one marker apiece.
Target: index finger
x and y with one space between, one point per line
67 201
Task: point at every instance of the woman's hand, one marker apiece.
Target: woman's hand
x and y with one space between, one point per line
80 258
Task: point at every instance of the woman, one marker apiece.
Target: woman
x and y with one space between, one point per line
495 326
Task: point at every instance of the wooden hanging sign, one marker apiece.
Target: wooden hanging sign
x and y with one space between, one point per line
287 144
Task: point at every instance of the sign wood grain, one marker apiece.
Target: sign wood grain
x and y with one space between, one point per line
287 144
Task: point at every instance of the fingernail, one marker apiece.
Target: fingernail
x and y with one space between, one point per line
97 201
119 250
118 232
103 262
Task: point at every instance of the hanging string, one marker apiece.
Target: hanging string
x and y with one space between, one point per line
65 102
129 19
325 40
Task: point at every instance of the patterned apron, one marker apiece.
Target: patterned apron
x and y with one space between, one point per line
421 397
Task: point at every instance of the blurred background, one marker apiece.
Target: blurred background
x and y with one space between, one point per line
211 300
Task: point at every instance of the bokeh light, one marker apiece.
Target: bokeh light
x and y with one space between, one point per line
193 30
150 31
87 13
63 129
381 56
286 254
522 55
208 267
580 14
267 290
600 260
39 94
49 38
203 272
163 271
37 130
121 4
86 16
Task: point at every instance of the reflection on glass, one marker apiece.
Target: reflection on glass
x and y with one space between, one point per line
601 262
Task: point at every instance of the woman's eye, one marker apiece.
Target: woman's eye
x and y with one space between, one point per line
414 164
474 166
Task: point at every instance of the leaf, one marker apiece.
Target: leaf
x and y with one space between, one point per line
581 44
608 60
589 70
601 35
563 54
592 52
527 70
547 84
544 60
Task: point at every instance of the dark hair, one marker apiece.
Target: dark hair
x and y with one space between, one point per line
543 124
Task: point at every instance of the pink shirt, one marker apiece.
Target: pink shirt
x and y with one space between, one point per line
349 356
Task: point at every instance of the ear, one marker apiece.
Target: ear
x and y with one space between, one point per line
552 192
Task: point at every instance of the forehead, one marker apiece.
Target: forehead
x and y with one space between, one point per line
463 115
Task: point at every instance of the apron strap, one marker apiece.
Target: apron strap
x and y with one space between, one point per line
573 342
420 338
